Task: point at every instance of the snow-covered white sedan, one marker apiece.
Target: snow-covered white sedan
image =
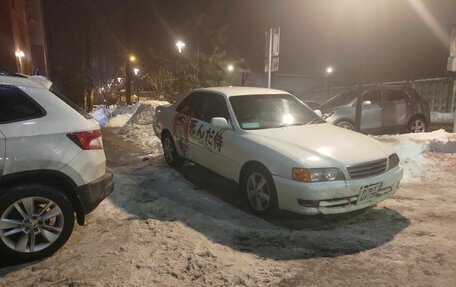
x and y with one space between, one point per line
283 155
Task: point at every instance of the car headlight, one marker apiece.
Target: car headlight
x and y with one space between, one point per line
326 115
317 174
393 161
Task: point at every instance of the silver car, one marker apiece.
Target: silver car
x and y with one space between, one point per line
386 109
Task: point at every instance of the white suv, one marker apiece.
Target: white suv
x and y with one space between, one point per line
52 166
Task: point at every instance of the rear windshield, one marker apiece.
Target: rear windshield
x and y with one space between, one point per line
71 104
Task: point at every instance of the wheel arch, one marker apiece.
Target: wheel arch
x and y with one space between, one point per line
49 178
419 116
248 164
164 132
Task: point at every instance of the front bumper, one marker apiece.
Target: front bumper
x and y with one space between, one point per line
93 193
334 197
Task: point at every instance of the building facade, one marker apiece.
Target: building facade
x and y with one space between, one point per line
22 37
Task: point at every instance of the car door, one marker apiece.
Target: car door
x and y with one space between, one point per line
2 152
187 114
394 113
371 113
215 147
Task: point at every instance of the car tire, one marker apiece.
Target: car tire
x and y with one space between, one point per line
346 125
259 191
417 125
35 221
172 158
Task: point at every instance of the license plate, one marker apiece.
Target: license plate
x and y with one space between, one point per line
368 192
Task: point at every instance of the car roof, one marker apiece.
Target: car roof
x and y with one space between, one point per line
241 91
24 81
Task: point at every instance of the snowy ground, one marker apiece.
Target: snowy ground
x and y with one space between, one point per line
189 227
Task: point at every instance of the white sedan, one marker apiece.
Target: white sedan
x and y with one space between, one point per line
282 154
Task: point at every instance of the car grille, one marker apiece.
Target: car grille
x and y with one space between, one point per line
367 169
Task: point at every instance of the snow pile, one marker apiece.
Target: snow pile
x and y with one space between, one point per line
121 114
123 109
139 128
118 121
421 154
442 118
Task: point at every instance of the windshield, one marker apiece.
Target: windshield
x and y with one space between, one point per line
341 99
271 111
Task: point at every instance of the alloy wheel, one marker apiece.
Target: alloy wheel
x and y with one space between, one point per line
31 224
417 126
258 191
346 125
168 148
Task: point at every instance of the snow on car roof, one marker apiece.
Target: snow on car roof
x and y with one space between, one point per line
242 91
30 81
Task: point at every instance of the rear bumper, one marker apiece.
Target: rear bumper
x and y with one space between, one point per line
93 193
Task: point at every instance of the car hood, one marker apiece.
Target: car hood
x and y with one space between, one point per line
321 145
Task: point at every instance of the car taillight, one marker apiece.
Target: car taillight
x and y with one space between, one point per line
87 140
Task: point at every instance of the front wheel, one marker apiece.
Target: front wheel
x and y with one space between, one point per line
169 150
260 192
346 125
417 125
35 221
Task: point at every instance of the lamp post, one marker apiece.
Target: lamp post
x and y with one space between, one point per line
328 72
19 55
131 59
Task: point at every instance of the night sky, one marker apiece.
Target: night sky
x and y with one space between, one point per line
365 40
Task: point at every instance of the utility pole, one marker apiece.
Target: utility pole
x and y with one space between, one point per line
127 57
270 58
272 44
197 60
359 106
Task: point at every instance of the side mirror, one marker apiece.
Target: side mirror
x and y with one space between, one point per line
220 123
319 113
366 103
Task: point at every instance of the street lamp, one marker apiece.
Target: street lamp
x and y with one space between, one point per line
19 54
329 71
180 45
230 68
131 59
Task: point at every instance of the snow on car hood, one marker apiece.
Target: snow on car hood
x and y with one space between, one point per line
321 145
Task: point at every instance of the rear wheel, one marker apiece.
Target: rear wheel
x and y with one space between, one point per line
35 221
346 125
259 191
417 125
170 152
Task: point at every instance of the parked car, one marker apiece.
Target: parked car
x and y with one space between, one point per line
385 109
313 105
283 155
52 166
